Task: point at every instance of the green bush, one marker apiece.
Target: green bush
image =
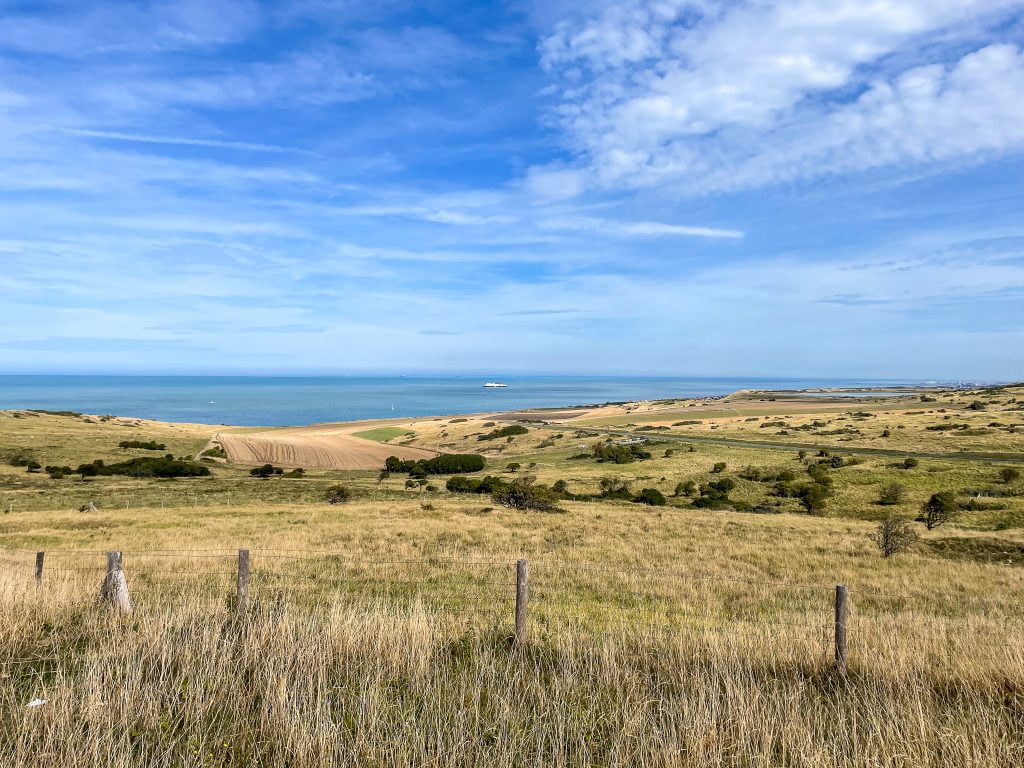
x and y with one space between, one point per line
651 496
509 431
890 494
19 457
715 494
521 494
147 445
940 508
445 464
615 488
619 454
144 466
267 470
461 484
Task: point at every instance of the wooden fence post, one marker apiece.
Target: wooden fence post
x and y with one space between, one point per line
522 572
39 565
842 613
115 587
242 590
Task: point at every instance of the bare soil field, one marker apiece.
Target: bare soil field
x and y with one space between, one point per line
316 447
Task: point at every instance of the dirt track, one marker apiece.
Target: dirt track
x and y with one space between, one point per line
324 447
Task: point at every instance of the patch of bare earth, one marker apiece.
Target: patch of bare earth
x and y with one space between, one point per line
318 447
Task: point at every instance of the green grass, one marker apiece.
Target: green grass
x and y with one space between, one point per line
381 434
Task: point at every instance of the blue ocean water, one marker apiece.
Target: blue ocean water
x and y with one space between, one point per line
289 401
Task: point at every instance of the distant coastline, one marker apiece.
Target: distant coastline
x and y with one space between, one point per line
296 401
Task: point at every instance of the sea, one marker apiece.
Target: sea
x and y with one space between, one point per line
298 400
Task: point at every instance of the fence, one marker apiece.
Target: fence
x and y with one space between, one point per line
540 596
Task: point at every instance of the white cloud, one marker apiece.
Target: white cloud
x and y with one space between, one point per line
655 91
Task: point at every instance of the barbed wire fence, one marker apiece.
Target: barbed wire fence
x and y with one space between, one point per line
539 597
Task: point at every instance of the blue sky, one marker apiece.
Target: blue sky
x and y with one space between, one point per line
639 187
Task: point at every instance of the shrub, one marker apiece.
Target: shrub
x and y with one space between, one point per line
460 484
337 494
521 494
893 535
619 454
615 488
977 405
296 473
215 451
444 464
510 431
651 496
940 508
890 494
813 497
513 466
910 463
719 467
715 494
20 457
147 445
1009 474
267 470
560 487
144 466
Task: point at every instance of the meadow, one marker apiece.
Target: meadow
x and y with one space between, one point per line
378 630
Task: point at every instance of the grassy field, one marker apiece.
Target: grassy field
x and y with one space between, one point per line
382 434
378 629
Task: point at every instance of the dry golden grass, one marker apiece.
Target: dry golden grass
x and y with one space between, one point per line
378 630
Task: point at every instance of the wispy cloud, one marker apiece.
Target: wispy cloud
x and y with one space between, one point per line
636 228
183 141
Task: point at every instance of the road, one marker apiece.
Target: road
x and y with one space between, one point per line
995 458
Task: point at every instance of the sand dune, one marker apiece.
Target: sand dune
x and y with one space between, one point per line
316 447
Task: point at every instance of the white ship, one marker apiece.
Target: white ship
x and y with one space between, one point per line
495 385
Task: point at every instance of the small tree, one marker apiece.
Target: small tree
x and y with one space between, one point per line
813 497
893 535
977 405
890 494
939 509
513 466
1009 474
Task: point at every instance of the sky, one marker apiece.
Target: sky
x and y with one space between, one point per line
760 187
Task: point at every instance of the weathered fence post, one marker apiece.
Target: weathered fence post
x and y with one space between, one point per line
242 590
39 565
522 572
115 587
842 613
